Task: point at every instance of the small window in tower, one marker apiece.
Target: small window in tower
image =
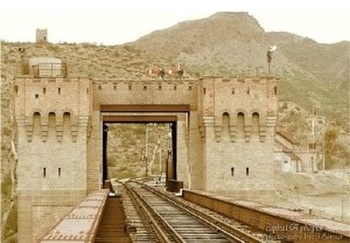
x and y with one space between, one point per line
159 86
99 87
190 87
36 96
247 171
233 91
232 171
275 90
248 90
59 90
204 90
145 87
115 87
44 172
59 172
87 90
44 90
16 89
175 86
130 87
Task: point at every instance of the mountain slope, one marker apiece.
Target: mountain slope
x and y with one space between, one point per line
230 44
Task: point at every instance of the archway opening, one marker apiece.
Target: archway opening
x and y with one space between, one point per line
136 149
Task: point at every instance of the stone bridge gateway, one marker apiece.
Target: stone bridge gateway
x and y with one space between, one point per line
112 114
225 131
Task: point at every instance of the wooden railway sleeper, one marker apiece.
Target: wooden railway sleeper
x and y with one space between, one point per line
177 237
147 211
229 230
145 215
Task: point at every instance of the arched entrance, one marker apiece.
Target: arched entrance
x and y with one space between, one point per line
144 114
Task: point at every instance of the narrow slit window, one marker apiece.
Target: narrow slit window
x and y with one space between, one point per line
16 89
145 87
130 87
87 90
59 90
248 90
204 90
233 91
44 172
59 172
115 87
36 96
232 171
247 171
175 86
44 90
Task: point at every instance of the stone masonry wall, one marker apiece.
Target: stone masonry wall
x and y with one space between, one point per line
145 92
53 131
239 117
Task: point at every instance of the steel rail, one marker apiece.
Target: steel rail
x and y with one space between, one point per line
147 214
149 211
227 229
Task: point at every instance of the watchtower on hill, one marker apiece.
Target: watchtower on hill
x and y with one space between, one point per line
41 36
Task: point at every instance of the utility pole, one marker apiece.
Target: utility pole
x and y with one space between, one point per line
312 141
146 150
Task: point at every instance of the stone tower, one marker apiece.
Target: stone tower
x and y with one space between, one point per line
53 115
238 129
41 36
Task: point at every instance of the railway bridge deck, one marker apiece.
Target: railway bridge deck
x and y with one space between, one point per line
100 218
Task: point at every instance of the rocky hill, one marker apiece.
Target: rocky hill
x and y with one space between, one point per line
313 76
230 44
224 44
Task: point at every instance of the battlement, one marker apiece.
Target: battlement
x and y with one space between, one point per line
235 95
146 84
261 80
241 78
52 95
213 95
144 91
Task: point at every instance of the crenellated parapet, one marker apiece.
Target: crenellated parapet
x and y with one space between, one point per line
146 91
59 105
249 104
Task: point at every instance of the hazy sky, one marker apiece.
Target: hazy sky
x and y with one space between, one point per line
120 21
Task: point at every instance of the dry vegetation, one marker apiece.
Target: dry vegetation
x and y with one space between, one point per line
127 155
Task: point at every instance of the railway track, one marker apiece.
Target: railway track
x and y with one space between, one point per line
154 215
171 220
